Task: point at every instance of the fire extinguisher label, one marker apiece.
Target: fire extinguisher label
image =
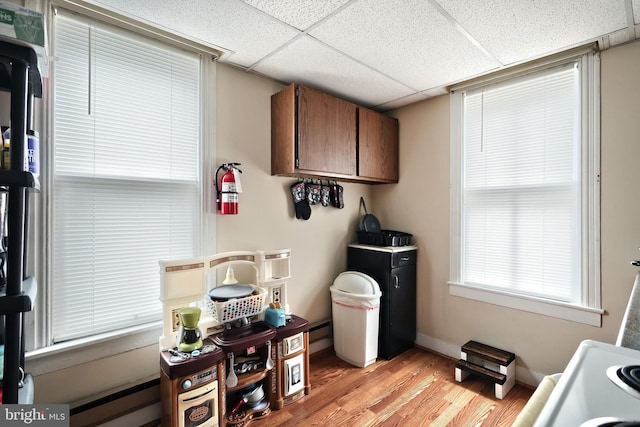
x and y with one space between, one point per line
229 197
229 187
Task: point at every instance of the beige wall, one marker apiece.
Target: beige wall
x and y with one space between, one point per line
266 220
420 204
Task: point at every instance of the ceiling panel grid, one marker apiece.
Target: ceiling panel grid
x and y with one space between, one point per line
386 53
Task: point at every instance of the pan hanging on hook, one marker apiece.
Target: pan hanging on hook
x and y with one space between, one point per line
368 222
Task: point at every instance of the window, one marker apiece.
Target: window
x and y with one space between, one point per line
125 174
525 190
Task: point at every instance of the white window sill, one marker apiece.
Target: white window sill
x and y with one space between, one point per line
77 352
575 313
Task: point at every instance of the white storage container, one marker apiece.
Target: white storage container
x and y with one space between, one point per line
355 302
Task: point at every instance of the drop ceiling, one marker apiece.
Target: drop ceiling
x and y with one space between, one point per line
385 54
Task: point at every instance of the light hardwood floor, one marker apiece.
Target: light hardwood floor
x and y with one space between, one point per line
416 388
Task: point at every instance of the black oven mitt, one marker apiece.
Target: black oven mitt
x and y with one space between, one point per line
300 203
337 200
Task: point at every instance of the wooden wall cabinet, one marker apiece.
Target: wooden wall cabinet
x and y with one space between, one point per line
314 134
377 146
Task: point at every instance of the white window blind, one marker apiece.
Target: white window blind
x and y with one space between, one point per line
521 195
125 174
525 188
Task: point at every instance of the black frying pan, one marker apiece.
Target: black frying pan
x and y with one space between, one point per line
368 222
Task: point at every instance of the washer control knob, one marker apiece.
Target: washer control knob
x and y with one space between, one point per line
186 384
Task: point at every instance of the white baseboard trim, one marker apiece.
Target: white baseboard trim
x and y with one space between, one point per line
523 375
442 347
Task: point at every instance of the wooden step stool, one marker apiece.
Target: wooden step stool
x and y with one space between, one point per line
493 364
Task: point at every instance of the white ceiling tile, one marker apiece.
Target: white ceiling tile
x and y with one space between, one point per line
419 96
298 13
515 31
309 62
435 92
229 24
415 97
409 40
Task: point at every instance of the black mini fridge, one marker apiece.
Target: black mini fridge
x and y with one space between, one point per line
394 268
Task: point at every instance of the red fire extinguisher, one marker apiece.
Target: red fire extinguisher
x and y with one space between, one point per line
227 190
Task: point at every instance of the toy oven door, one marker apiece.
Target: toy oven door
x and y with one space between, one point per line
198 407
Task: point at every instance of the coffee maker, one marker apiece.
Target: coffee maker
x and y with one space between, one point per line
189 335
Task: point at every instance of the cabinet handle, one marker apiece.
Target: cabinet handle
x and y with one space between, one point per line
405 258
396 282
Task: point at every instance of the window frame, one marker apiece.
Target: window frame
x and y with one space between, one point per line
589 310
48 357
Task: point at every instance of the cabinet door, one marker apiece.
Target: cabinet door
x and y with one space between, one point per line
402 311
283 131
377 146
326 133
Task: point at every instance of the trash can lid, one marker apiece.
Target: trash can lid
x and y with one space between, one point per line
355 282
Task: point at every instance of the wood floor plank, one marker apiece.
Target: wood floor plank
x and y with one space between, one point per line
415 389
403 401
458 399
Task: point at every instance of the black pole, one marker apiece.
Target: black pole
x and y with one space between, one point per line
15 229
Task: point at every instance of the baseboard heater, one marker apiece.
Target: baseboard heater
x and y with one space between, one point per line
117 405
320 330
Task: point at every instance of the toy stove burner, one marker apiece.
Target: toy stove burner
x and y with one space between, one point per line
610 422
626 377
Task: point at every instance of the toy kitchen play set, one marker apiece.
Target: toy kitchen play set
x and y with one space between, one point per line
229 353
